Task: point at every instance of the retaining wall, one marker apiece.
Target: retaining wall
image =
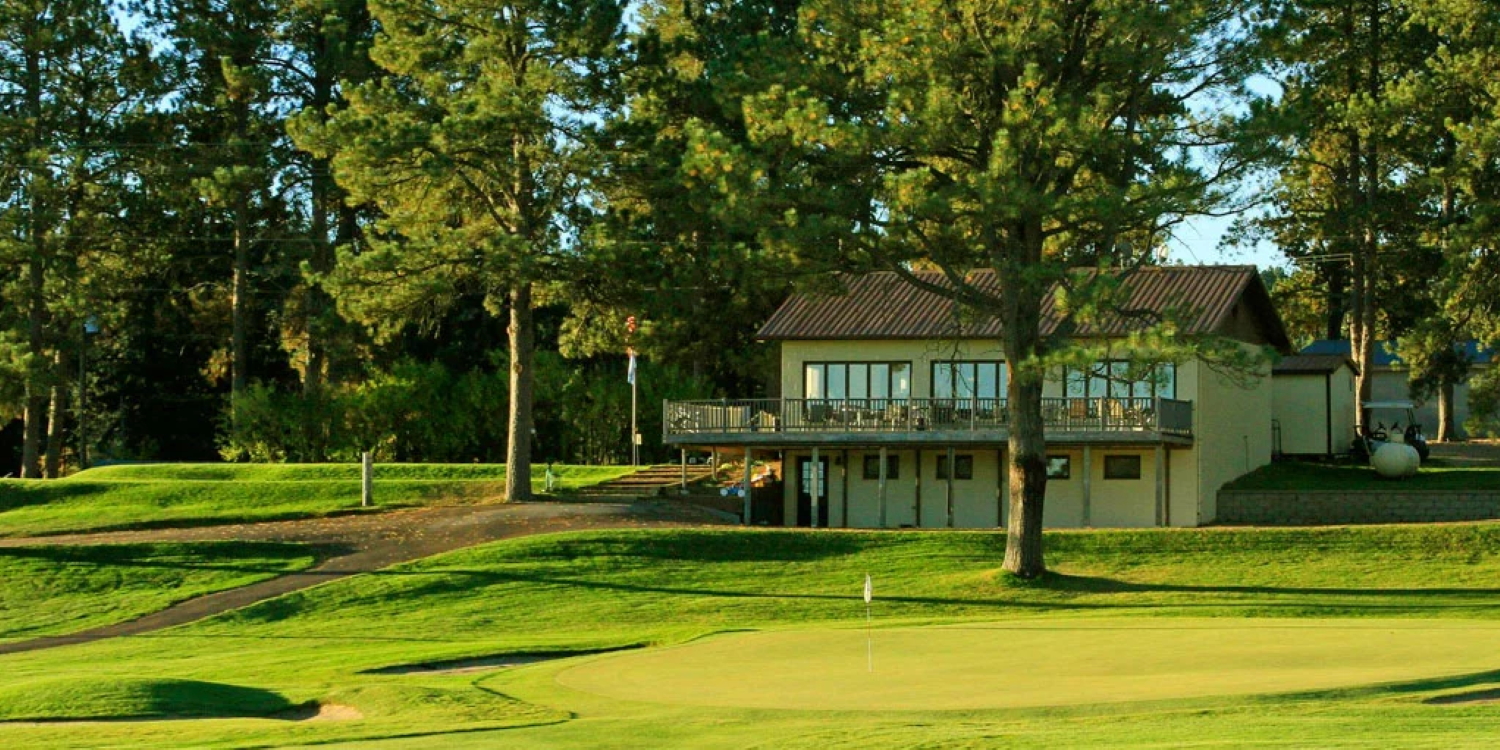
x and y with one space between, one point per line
1300 507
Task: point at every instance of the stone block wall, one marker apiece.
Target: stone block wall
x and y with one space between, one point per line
1304 508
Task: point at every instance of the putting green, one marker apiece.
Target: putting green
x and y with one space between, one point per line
1039 663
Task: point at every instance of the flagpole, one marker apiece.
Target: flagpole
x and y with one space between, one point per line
869 637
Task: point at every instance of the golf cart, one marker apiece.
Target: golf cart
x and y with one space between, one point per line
1401 416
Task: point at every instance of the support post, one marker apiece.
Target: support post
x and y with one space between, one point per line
948 488
917 504
1161 485
1088 479
684 470
749 491
882 485
844 490
713 463
366 480
1000 472
812 491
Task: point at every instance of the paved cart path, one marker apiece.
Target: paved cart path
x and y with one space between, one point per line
358 544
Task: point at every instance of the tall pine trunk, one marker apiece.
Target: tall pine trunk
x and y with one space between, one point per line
36 394
1027 443
56 411
522 376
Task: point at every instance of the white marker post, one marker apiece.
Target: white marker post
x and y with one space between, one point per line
869 639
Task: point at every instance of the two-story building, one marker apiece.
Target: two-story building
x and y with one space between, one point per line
893 409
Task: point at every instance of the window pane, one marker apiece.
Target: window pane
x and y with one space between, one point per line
1142 388
1004 381
814 381
1078 383
837 375
859 381
963 384
942 380
1099 380
1059 467
1166 380
963 467
1119 379
986 382
1122 467
880 381
901 380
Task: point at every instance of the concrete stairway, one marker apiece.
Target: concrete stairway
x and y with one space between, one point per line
651 481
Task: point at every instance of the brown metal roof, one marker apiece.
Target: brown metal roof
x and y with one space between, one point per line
883 305
1312 364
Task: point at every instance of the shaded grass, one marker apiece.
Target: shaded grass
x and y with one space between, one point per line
50 590
83 698
1299 475
167 495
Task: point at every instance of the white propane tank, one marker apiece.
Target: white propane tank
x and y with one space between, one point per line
1395 460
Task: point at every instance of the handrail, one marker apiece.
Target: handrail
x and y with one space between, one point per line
786 415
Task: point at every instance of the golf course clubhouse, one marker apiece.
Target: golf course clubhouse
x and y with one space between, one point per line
893 410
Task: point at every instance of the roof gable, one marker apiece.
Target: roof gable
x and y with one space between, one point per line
883 305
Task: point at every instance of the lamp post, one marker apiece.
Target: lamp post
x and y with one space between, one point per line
635 438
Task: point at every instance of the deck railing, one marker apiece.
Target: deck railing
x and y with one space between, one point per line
1164 415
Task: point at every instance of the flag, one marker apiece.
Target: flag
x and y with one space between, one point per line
630 373
869 589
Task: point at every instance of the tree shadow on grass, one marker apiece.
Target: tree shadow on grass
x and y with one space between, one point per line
1075 584
210 556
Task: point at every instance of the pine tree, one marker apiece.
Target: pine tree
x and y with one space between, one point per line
1023 137
475 151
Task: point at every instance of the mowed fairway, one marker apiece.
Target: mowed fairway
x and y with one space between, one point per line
1034 664
732 638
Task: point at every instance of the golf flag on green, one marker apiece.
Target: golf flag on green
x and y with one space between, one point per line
869 641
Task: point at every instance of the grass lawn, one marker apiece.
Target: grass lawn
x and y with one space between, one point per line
1297 475
51 590
161 495
1293 637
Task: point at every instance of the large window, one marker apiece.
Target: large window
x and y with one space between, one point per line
1115 378
965 380
857 380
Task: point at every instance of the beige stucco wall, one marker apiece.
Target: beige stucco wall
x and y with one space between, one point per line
980 502
900 493
1301 407
1231 429
1063 508
1182 490
976 502
1122 503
